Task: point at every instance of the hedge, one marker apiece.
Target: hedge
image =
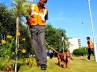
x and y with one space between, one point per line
80 52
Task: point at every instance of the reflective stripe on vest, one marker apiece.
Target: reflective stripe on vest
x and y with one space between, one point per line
37 16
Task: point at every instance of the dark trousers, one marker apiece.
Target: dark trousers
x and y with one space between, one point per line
90 51
38 41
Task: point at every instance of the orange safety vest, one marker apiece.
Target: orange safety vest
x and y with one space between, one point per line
90 45
37 16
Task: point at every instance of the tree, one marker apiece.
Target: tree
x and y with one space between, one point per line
7 22
19 12
54 37
7 27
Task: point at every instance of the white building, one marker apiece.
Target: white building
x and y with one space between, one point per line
75 43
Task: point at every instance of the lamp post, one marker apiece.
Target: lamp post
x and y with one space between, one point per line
93 33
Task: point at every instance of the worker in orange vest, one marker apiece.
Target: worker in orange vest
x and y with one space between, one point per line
90 47
37 24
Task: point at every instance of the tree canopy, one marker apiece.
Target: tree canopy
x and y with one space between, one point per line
7 21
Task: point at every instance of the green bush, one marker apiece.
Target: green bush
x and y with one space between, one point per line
6 50
80 52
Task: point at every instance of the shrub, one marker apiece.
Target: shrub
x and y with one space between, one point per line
6 49
80 52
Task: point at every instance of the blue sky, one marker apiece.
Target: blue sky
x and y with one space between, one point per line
72 16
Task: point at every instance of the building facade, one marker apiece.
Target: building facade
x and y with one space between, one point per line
74 43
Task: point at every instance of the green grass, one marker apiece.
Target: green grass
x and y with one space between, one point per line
76 65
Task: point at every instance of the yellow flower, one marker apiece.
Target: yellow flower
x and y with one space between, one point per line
9 36
23 39
3 42
23 50
18 34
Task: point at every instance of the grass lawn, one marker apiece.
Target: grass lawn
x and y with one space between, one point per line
76 65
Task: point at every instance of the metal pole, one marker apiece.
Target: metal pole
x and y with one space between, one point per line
92 26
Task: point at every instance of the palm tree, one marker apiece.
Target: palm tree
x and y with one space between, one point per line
20 9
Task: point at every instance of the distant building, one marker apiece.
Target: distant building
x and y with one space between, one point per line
75 43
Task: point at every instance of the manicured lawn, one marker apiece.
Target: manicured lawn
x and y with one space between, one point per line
76 65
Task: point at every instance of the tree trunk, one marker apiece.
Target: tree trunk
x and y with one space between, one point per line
17 42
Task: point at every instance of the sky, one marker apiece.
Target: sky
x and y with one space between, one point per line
72 16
